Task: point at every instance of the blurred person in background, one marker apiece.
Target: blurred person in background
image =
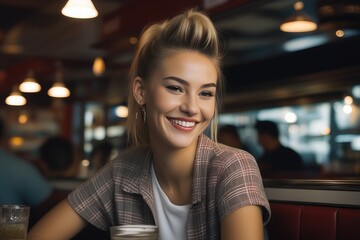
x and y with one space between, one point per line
57 162
100 155
275 157
57 158
228 134
20 181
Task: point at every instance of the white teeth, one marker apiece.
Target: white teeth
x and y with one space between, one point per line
183 123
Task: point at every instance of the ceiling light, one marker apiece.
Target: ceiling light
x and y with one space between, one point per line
98 66
30 85
15 98
58 89
340 33
299 21
82 9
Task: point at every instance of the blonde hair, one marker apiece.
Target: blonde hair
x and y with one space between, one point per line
192 30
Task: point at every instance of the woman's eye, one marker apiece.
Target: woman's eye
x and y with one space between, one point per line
207 94
174 88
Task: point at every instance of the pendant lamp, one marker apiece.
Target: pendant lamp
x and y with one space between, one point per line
30 85
82 9
298 21
15 98
58 89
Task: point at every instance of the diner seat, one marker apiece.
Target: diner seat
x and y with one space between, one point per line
291 221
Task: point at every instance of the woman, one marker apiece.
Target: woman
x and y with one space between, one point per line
174 176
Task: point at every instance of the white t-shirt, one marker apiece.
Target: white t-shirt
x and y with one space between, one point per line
171 218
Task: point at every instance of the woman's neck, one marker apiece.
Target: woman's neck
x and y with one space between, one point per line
174 172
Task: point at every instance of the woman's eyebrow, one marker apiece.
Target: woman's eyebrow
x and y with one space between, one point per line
179 80
182 81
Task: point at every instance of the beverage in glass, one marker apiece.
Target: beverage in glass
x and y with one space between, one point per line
14 220
134 232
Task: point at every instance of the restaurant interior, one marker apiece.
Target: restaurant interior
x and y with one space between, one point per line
307 81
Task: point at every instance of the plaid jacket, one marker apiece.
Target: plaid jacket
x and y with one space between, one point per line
225 179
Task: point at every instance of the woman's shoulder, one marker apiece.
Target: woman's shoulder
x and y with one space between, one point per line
131 155
223 150
132 158
130 164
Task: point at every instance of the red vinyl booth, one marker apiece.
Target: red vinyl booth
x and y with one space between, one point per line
291 221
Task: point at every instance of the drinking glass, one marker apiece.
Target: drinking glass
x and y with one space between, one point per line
140 232
14 220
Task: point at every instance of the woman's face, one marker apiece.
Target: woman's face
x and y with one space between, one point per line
180 99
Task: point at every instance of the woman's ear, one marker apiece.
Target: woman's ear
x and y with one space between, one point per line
139 90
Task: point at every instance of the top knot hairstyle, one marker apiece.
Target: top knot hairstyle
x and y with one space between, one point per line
192 30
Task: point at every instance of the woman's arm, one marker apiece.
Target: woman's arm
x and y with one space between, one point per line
243 224
62 222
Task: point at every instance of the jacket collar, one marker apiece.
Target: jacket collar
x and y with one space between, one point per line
141 182
204 153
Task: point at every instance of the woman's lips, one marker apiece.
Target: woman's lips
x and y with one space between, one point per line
182 124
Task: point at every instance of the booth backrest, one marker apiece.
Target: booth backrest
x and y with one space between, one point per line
290 221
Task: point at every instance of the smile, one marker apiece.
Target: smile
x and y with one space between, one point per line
183 123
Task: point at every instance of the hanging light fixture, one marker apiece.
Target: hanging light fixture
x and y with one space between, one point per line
299 21
98 66
58 89
15 98
30 85
82 9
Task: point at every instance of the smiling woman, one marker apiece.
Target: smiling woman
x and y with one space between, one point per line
173 176
185 90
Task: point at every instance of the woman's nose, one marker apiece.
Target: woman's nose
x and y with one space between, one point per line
189 105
